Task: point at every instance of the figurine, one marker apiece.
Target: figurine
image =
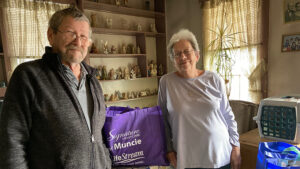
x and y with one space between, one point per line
133 50
105 48
136 94
94 49
118 2
115 96
93 20
100 71
160 70
143 93
104 73
126 3
123 73
106 97
129 49
129 95
148 92
127 75
123 49
119 95
138 72
109 23
133 94
97 74
111 74
138 27
153 28
124 95
111 98
153 70
119 73
148 70
132 74
138 50
113 49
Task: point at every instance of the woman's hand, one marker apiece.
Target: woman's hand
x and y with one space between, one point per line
172 157
235 158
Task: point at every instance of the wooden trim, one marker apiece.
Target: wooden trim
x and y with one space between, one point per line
61 1
125 32
96 55
264 49
126 100
79 4
142 61
140 78
97 6
7 65
2 91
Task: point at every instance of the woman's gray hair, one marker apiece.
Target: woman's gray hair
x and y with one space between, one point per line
182 34
57 18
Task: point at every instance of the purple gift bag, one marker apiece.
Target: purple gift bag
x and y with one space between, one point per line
135 137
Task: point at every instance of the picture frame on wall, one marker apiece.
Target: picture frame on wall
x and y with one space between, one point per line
291 11
290 42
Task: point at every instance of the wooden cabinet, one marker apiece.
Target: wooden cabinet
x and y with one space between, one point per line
128 25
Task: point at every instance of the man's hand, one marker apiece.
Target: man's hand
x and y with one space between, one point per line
235 158
172 157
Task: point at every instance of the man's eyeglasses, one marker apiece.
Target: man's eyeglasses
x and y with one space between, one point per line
185 52
72 36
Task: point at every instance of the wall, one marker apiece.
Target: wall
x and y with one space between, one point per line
283 68
183 14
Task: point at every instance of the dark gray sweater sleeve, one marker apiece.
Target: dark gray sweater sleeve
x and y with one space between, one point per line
15 121
162 102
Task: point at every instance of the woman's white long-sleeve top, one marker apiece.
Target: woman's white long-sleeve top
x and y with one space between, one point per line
199 122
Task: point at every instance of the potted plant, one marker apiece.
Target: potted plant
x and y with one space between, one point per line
221 52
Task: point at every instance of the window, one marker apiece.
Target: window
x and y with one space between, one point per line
243 17
26 24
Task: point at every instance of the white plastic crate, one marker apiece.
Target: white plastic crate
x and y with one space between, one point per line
278 118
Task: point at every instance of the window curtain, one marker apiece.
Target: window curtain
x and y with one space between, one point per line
25 25
243 20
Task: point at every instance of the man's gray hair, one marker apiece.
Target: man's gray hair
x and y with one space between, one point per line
182 34
57 18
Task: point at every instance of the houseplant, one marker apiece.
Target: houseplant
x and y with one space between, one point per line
221 52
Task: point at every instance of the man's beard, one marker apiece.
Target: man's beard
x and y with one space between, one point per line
69 58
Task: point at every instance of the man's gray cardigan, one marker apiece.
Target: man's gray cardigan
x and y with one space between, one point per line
42 125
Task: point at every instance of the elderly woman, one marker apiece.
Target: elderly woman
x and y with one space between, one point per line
200 128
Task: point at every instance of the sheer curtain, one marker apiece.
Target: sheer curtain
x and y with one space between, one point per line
25 24
244 19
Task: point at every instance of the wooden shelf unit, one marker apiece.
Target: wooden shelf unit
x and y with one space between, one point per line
156 16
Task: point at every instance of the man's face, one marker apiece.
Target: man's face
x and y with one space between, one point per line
73 50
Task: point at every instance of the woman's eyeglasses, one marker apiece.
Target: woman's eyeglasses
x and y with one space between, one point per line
185 52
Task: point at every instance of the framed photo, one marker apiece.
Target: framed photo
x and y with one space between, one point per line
290 42
291 10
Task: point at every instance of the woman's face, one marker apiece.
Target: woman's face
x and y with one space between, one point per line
185 57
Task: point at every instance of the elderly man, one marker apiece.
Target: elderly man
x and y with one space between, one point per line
53 112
